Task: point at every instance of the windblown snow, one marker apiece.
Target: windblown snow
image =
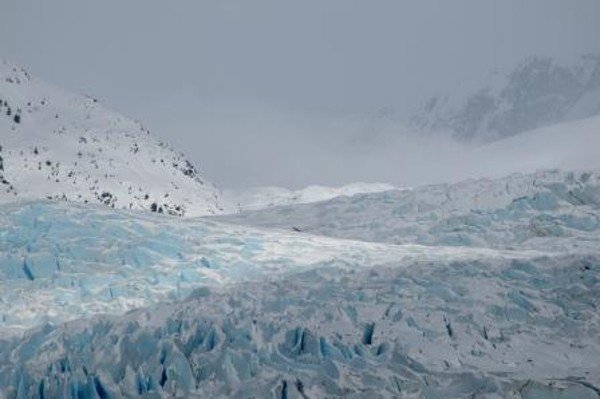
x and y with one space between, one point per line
68 147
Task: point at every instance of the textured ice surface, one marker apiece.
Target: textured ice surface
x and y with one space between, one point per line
60 261
234 201
470 329
285 314
548 210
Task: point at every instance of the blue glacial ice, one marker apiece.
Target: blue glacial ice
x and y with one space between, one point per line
485 289
61 261
434 329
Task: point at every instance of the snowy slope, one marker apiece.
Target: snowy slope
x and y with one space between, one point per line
267 197
67 147
570 146
538 92
543 210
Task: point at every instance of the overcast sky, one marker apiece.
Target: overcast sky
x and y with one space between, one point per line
283 92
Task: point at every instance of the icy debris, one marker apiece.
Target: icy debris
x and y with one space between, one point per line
226 310
63 261
249 340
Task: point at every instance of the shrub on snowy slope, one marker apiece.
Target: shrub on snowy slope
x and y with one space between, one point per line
61 146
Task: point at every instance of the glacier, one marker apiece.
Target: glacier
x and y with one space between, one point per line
61 261
415 329
255 198
487 288
546 210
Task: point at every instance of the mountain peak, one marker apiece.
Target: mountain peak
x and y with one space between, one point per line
538 92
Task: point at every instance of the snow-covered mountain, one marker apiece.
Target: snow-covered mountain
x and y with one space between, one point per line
483 288
68 147
267 197
539 92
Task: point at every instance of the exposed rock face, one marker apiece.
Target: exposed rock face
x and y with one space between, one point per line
539 92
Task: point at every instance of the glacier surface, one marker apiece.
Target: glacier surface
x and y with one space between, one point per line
235 201
61 261
547 210
488 288
482 328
